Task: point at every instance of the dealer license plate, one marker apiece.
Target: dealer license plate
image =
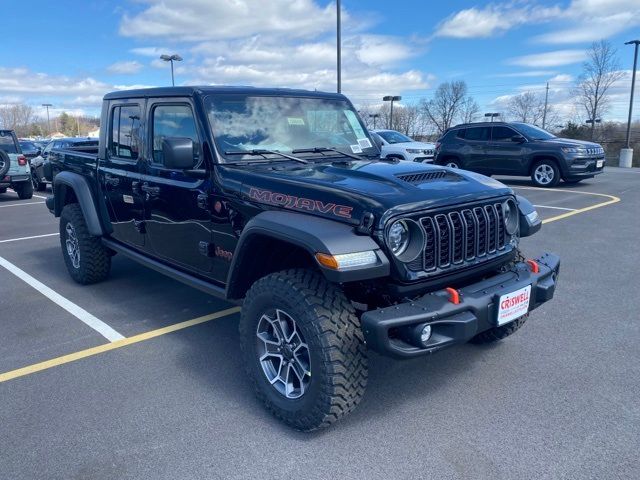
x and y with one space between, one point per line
513 305
599 163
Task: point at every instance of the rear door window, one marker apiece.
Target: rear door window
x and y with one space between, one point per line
125 132
477 134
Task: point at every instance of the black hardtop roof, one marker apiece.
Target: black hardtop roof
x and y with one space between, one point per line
75 139
212 90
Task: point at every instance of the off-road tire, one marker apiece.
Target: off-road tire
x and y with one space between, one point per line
498 333
24 190
95 259
3 190
556 174
338 357
5 163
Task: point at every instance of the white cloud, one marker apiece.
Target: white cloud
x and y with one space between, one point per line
197 20
227 43
493 19
130 67
549 59
526 73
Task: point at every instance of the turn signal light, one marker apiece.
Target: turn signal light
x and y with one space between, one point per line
533 265
347 260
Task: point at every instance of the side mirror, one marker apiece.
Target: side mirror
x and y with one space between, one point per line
177 153
518 139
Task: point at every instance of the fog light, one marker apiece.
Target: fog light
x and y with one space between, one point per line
425 335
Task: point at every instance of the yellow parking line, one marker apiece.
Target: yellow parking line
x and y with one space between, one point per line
612 199
89 352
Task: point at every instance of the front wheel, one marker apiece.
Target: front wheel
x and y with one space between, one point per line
545 173
303 348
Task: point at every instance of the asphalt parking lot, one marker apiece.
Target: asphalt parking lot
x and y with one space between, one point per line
168 398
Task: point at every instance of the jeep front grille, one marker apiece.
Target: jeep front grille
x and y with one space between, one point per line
461 237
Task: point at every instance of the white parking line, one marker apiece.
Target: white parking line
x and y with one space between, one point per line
556 208
28 238
98 325
21 204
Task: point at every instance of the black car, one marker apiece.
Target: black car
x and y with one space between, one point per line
278 199
80 144
519 149
29 149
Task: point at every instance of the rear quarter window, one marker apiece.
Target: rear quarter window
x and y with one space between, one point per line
7 142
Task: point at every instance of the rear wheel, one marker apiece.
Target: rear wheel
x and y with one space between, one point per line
87 259
24 190
451 163
3 190
5 163
303 348
545 173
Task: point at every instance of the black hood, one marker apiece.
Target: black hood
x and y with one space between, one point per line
346 191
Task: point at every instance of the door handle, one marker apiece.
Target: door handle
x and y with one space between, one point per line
110 180
149 190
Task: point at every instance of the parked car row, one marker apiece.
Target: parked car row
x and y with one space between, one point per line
14 166
80 144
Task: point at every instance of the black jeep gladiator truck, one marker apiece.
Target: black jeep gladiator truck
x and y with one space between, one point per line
278 199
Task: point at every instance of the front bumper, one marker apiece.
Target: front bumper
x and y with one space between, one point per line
456 323
585 168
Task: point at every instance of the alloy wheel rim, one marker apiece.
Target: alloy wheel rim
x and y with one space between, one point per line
544 174
452 165
73 249
283 354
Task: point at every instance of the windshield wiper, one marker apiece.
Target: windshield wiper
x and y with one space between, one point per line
326 149
263 153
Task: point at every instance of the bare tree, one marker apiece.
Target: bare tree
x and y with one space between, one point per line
526 107
469 110
600 71
449 104
18 117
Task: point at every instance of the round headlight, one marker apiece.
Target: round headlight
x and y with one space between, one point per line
511 217
398 237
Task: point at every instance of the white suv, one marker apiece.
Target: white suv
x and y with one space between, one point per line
396 145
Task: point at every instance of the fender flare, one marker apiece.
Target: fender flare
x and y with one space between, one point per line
527 227
312 234
82 191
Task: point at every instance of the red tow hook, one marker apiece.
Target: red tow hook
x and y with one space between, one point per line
533 265
454 295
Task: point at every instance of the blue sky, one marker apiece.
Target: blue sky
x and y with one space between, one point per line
86 48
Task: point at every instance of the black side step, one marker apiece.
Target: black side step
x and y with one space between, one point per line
174 273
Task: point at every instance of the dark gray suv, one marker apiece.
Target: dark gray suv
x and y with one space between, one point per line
519 149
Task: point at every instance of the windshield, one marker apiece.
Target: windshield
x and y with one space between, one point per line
245 123
533 132
394 137
7 143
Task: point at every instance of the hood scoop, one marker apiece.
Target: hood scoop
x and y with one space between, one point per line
424 177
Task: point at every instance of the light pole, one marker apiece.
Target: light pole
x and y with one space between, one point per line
374 116
391 98
47 105
626 154
339 46
171 58
492 115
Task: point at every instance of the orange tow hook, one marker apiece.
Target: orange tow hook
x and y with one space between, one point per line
454 295
534 266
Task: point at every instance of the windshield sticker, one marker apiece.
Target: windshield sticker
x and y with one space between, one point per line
356 149
364 143
295 121
355 124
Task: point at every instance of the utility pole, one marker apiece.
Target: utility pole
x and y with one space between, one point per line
339 46
626 154
546 103
47 105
